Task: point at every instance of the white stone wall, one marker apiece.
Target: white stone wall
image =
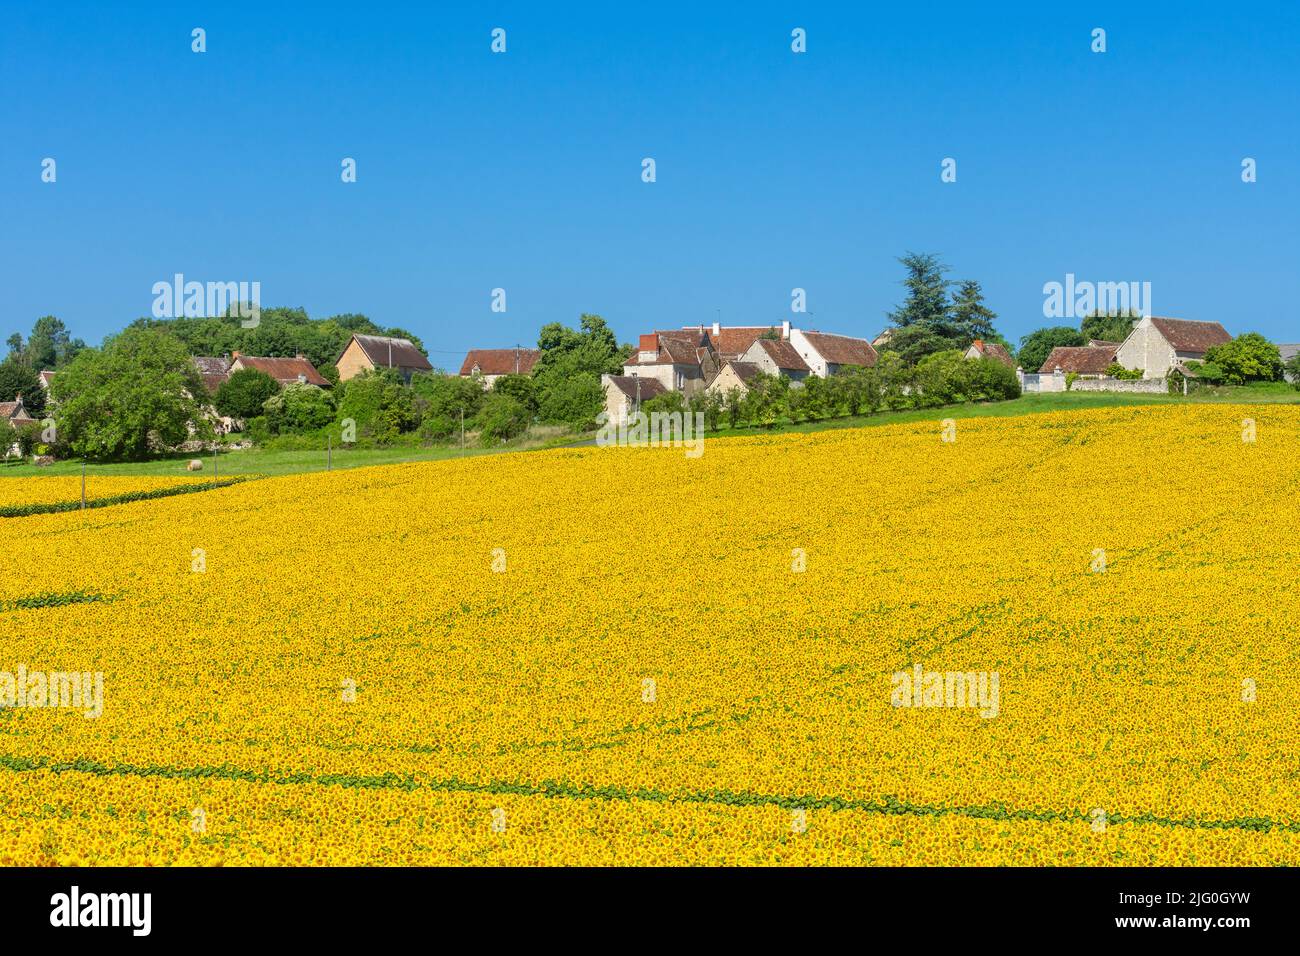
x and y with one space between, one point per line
1146 386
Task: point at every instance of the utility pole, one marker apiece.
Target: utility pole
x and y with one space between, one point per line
83 484
329 452
462 430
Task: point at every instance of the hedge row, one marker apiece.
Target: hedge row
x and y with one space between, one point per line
25 511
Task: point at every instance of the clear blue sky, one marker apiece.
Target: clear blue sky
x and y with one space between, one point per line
522 170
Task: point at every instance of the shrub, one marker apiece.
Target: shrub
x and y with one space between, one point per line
501 419
574 401
298 408
1247 358
1115 370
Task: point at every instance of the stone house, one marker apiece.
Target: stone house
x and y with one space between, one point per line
827 353
777 357
1157 345
734 375
991 350
1085 361
366 352
286 371
491 364
624 393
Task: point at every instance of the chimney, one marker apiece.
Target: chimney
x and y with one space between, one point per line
649 347
300 356
785 329
979 345
234 355
717 328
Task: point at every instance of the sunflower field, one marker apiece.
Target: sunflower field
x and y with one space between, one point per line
631 656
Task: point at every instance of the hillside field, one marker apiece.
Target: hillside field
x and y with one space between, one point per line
629 656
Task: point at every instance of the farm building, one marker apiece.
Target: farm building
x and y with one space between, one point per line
491 364
366 352
1157 345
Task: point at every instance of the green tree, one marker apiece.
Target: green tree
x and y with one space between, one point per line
298 408
926 303
244 394
972 318
1108 326
380 404
138 395
522 388
1247 358
567 376
501 419
1037 345
18 378
50 346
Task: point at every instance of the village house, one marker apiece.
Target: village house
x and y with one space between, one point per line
46 377
286 371
777 357
991 350
16 414
734 376
213 369
1157 345
1085 361
625 393
1288 351
491 364
827 354
681 361
366 352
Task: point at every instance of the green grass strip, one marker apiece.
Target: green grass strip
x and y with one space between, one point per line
563 790
25 511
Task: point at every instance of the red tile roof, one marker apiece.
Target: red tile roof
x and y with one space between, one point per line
684 347
1080 358
841 349
1186 335
785 355
283 370
385 351
500 361
15 414
733 341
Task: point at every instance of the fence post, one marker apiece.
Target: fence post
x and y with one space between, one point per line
329 452
83 484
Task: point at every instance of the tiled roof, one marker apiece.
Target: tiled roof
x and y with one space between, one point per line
14 413
745 371
284 370
1081 358
213 370
684 347
733 341
994 351
841 349
627 385
384 352
500 361
1186 335
785 355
